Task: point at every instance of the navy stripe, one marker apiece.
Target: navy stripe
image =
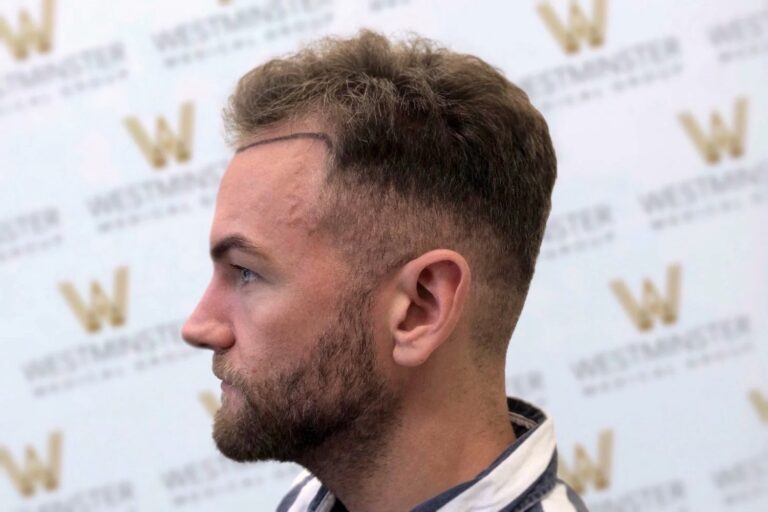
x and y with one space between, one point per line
536 508
318 498
574 498
433 504
290 498
523 408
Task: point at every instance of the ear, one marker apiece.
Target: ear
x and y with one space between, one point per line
430 292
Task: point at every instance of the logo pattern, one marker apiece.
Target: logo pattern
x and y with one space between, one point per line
580 28
210 401
720 138
652 303
101 307
142 181
30 34
34 472
760 403
584 471
166 143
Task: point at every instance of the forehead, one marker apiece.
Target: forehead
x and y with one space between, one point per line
270 190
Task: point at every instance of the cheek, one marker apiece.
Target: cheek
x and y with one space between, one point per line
383 341
275 329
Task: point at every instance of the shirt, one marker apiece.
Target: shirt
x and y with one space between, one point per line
522 479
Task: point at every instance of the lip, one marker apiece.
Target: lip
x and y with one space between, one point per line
224 382
219 377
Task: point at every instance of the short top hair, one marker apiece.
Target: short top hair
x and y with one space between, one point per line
430 149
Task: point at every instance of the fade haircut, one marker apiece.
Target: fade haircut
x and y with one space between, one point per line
429 149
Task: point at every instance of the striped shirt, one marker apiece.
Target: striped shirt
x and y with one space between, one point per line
522 479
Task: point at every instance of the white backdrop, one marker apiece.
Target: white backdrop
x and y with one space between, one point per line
659 220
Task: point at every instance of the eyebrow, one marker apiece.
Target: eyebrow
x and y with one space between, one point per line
299 135
223 246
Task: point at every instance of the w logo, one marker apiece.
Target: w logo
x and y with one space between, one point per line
30 34
102 307
652 303
166 143
33 472
583 470
760 402
210 401
720 138
579 28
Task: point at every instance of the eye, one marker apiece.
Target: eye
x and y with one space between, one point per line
245 275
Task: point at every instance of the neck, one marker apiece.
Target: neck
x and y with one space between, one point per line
433 444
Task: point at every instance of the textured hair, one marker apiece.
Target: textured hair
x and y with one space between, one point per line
430 149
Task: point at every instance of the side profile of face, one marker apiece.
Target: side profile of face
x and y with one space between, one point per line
292 338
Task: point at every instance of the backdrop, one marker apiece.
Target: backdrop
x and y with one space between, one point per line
644 334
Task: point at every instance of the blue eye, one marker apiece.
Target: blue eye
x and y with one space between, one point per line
245 276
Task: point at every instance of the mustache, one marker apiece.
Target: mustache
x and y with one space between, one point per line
223 371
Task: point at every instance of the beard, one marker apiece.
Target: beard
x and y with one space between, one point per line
333 395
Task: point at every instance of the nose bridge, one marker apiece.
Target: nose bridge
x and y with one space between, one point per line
208 325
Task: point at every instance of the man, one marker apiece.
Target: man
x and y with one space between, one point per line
374 239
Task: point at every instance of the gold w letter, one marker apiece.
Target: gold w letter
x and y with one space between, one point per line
166 142
579 26
101 307
35 472
653 304
210 401
720 138
585 471
761 404
29 34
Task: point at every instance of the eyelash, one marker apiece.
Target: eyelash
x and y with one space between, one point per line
241 270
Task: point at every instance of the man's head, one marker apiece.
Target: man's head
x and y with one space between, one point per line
400 194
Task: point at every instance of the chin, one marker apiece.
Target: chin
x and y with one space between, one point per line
241 440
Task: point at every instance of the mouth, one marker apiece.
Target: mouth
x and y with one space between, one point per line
222 379
219 370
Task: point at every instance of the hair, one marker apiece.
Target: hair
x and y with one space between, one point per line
430 149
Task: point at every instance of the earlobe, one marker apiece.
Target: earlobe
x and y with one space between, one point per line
429 300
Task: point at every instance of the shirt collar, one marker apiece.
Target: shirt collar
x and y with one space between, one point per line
502 485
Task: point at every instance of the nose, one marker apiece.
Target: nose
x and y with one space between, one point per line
208 325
